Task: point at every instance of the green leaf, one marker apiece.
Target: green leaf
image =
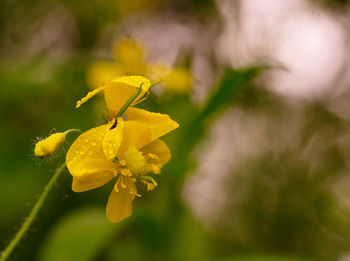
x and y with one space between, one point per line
78 236
232 85
233 82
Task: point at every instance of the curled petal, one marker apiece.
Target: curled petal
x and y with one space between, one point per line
120 89
89 96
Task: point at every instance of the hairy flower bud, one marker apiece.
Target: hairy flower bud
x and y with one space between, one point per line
49 145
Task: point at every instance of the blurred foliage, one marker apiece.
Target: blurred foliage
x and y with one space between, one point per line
79 236
283 200
336 5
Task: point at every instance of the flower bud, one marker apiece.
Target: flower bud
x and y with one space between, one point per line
49 145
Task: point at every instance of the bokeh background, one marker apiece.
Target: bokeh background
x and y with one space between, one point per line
260 164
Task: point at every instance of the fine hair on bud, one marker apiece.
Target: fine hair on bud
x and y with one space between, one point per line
48 146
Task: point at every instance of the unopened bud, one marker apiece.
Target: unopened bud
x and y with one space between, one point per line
49 145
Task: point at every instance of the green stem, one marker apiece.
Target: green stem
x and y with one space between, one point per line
71 130
128 102
132 98
156 82
34 212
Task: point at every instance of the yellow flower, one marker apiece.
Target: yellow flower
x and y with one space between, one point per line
101 72
177 80
130 59
130 54
128 150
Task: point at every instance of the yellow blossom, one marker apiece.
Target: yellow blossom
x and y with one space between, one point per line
130 58
101 72
128 151
130 54
177 80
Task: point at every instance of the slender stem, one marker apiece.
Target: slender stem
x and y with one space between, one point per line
71 130
156 82
128 102
132 98
34 212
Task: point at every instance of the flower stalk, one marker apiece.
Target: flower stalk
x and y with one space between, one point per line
33 214
129 102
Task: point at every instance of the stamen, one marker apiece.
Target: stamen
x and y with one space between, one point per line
155 169
150 186
123 163
122 184
152 156
126 172
132 189
116 185
149 181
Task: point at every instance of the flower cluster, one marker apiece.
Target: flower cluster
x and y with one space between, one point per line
126 148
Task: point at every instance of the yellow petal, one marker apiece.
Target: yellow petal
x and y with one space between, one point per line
159 124
158 148
120 89
112 139
128 52
89 96
136 134
86 156
91 181
101 72
179 80
119 204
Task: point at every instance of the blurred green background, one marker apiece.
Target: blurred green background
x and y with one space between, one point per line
254 175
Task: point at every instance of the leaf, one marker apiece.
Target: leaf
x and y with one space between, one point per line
233 82
78 236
